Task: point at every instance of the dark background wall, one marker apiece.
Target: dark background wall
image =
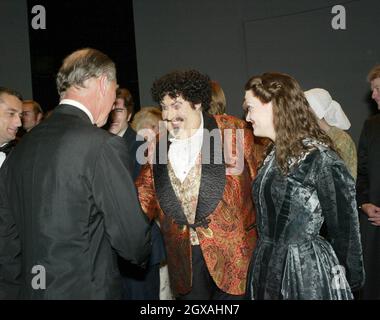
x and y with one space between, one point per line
229 40
30 58
74 24
15 69
233 40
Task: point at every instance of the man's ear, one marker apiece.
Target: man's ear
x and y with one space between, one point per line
103 83
198 106
39 117
129 117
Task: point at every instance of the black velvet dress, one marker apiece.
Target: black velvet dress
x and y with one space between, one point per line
292 260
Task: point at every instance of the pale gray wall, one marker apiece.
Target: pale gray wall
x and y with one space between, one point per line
15 70
233 40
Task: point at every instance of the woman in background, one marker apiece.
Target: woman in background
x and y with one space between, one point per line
332 119
218 99
301 183
148 118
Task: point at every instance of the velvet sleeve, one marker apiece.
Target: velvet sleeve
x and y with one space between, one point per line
336 193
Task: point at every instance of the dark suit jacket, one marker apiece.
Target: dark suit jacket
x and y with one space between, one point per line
368 180
68 203
368 190
133 144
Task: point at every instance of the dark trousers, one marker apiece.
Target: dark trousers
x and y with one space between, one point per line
141 284
144 284
204 287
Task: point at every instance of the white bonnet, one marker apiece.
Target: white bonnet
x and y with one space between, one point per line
325 107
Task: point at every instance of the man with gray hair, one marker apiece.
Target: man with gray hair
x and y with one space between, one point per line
368 193
63 216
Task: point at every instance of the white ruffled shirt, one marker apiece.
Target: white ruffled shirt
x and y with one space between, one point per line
183 153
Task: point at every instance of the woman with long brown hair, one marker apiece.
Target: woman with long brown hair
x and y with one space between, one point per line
301 183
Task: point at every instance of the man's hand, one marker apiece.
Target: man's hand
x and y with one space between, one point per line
373 213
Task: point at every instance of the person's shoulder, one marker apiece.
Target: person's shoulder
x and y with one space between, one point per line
226 121
371 125
318 160
109 141
93 132
321 153
374 120
340 136
133 139
375 117
129 132
336 132
90 137
325 158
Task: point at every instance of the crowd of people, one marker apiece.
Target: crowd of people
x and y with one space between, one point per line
182 200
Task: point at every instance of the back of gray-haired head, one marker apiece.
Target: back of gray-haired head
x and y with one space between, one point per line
82 65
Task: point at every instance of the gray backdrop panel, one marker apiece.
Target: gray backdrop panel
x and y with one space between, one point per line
233 40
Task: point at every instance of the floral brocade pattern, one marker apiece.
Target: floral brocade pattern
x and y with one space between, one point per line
187 193
228 243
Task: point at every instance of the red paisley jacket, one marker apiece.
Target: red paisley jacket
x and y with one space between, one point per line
228 236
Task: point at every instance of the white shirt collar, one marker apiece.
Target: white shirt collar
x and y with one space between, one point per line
183 153
2 158
78 105
122 132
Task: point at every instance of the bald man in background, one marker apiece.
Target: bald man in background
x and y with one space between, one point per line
32 114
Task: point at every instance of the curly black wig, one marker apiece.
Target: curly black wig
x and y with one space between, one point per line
190 84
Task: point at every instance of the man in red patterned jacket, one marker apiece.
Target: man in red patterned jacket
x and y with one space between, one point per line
199 188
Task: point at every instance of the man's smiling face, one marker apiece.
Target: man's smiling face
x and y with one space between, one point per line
10 117
181 116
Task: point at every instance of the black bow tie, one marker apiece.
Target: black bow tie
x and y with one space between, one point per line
8 147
